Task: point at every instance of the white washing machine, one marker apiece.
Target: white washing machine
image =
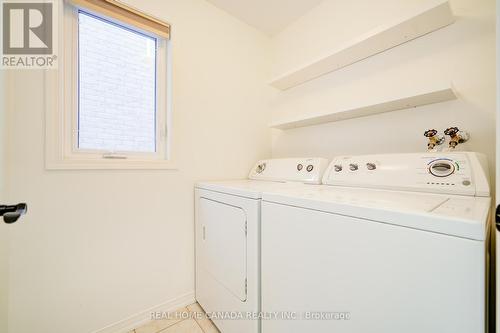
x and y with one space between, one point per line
391 244
227 218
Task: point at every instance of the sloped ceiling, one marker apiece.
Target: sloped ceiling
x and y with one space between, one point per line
269 16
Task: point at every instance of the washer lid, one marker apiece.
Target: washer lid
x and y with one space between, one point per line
460 216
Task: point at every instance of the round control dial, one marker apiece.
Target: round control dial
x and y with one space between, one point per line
442 168
353 167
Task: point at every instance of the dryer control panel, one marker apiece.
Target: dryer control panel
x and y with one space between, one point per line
455 172
304 170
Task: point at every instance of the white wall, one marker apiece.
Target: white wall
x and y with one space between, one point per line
98 246
463 53
4 229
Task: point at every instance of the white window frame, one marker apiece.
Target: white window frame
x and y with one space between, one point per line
61 87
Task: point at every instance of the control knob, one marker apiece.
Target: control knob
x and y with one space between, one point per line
441 168
337 167
371 166
353 167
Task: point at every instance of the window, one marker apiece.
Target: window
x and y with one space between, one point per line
113 102
116 87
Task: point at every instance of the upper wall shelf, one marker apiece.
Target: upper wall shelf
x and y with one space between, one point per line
437 95
378 40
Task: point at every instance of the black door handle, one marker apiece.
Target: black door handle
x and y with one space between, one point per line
497 217
11 213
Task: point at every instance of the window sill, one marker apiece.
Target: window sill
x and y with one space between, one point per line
129 164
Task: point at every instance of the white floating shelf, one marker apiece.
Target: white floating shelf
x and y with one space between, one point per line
378 40
430 97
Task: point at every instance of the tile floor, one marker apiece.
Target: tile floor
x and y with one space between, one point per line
190 319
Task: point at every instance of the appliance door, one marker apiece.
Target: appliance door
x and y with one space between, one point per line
228 259
223 244
323 272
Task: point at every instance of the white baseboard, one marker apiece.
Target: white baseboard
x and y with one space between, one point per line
142 317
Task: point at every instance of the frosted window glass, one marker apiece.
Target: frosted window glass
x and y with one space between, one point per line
117 83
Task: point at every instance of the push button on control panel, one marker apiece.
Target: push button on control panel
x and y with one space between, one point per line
310 168
299 167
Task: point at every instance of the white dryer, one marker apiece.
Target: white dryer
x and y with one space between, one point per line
391 244
227 218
